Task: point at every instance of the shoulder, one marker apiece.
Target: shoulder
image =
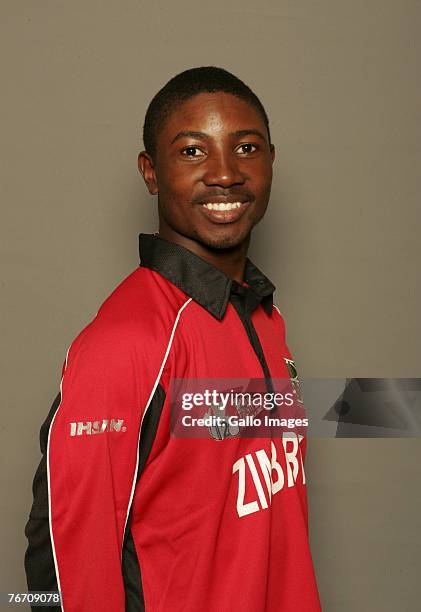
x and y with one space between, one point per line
278 317
134 322
142 298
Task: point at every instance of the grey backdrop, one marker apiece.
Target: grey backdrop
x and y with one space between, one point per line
340 82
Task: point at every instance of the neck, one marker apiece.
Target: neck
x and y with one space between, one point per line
230 261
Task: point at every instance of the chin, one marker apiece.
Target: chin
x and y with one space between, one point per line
221 242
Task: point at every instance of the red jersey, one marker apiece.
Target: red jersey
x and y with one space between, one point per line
127 516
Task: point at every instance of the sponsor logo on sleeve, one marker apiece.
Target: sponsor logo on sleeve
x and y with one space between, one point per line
90 428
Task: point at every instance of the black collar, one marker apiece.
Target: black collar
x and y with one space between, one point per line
199 279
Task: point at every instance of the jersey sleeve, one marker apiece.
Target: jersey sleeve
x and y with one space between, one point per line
90 457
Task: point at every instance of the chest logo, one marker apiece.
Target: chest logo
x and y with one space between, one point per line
295 381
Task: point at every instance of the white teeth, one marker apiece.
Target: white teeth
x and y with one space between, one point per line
222 206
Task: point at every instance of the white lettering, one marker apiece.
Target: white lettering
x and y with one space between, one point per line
81 428
96 427
99 426
271 469
117 425
242 508
291 456
256 481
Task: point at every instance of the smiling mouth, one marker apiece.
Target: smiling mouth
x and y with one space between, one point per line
224 212
222 205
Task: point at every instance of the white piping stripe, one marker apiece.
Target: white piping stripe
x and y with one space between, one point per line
48 481
143 416
137 454
275 306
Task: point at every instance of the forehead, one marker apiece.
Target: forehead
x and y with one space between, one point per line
213 113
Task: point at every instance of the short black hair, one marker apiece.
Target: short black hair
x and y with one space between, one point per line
186 85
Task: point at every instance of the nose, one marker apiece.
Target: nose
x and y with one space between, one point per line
222 168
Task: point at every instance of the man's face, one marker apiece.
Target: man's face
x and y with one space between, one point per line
212 171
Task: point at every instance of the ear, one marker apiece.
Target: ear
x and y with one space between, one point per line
146 169
272 152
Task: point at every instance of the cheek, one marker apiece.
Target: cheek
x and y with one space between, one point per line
179 183
265 171
259 173
266 181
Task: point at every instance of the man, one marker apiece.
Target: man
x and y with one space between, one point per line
127 516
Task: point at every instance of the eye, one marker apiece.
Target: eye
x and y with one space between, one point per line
192 152
247 147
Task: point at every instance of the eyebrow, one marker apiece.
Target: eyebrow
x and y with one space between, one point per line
204 136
